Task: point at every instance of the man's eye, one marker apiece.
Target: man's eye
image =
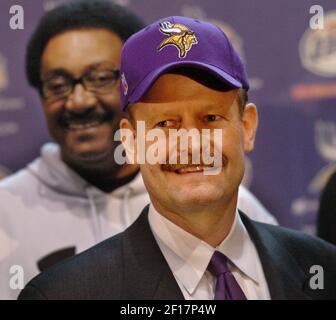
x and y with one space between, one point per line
101 78
57 86
211 117
165 124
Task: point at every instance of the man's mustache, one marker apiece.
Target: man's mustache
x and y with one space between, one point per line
179 166
68 118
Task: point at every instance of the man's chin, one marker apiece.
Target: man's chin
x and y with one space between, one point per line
93 156
90 157
196 197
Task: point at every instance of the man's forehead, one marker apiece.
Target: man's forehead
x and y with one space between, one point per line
184 107
76 50
76 71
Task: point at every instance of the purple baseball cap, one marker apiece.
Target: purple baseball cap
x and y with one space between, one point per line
172 42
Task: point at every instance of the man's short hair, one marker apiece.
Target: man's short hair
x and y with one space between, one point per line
75 15
243 100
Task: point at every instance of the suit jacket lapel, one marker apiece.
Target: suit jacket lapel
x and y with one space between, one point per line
146 272
285 279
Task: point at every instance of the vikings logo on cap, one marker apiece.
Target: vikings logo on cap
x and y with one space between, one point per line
180 36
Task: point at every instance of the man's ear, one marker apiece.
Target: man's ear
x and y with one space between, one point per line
128 139
250 125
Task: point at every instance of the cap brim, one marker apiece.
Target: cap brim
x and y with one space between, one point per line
147 82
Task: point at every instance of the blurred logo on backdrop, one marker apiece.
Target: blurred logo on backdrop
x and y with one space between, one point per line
7 104
3 73
317 48
325 144
317 51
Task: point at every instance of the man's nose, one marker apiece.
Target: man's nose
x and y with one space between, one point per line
80 100
194 132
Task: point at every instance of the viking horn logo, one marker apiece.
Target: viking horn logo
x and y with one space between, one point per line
179 36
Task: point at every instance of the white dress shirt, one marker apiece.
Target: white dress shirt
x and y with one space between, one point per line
188 258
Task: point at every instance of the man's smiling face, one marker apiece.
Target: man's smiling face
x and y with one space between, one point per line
179 101
83 123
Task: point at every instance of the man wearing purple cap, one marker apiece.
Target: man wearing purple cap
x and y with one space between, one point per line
191 242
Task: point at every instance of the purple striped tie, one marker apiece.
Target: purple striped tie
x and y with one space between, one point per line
227 288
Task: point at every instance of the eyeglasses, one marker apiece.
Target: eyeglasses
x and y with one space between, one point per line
96 81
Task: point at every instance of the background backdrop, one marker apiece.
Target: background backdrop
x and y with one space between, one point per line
292 69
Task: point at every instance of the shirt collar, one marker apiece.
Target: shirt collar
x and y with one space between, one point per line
188 256
240 249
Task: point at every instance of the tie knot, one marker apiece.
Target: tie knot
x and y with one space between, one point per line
218 264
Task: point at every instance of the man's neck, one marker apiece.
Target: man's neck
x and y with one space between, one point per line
107 179
108 183
210 224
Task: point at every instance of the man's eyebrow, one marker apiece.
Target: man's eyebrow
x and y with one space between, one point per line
63 72
56 72
97 65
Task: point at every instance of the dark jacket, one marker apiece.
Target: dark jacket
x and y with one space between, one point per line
130 265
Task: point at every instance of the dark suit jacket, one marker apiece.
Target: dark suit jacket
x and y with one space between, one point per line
130 265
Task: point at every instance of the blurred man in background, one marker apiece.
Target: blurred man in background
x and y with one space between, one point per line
75 194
